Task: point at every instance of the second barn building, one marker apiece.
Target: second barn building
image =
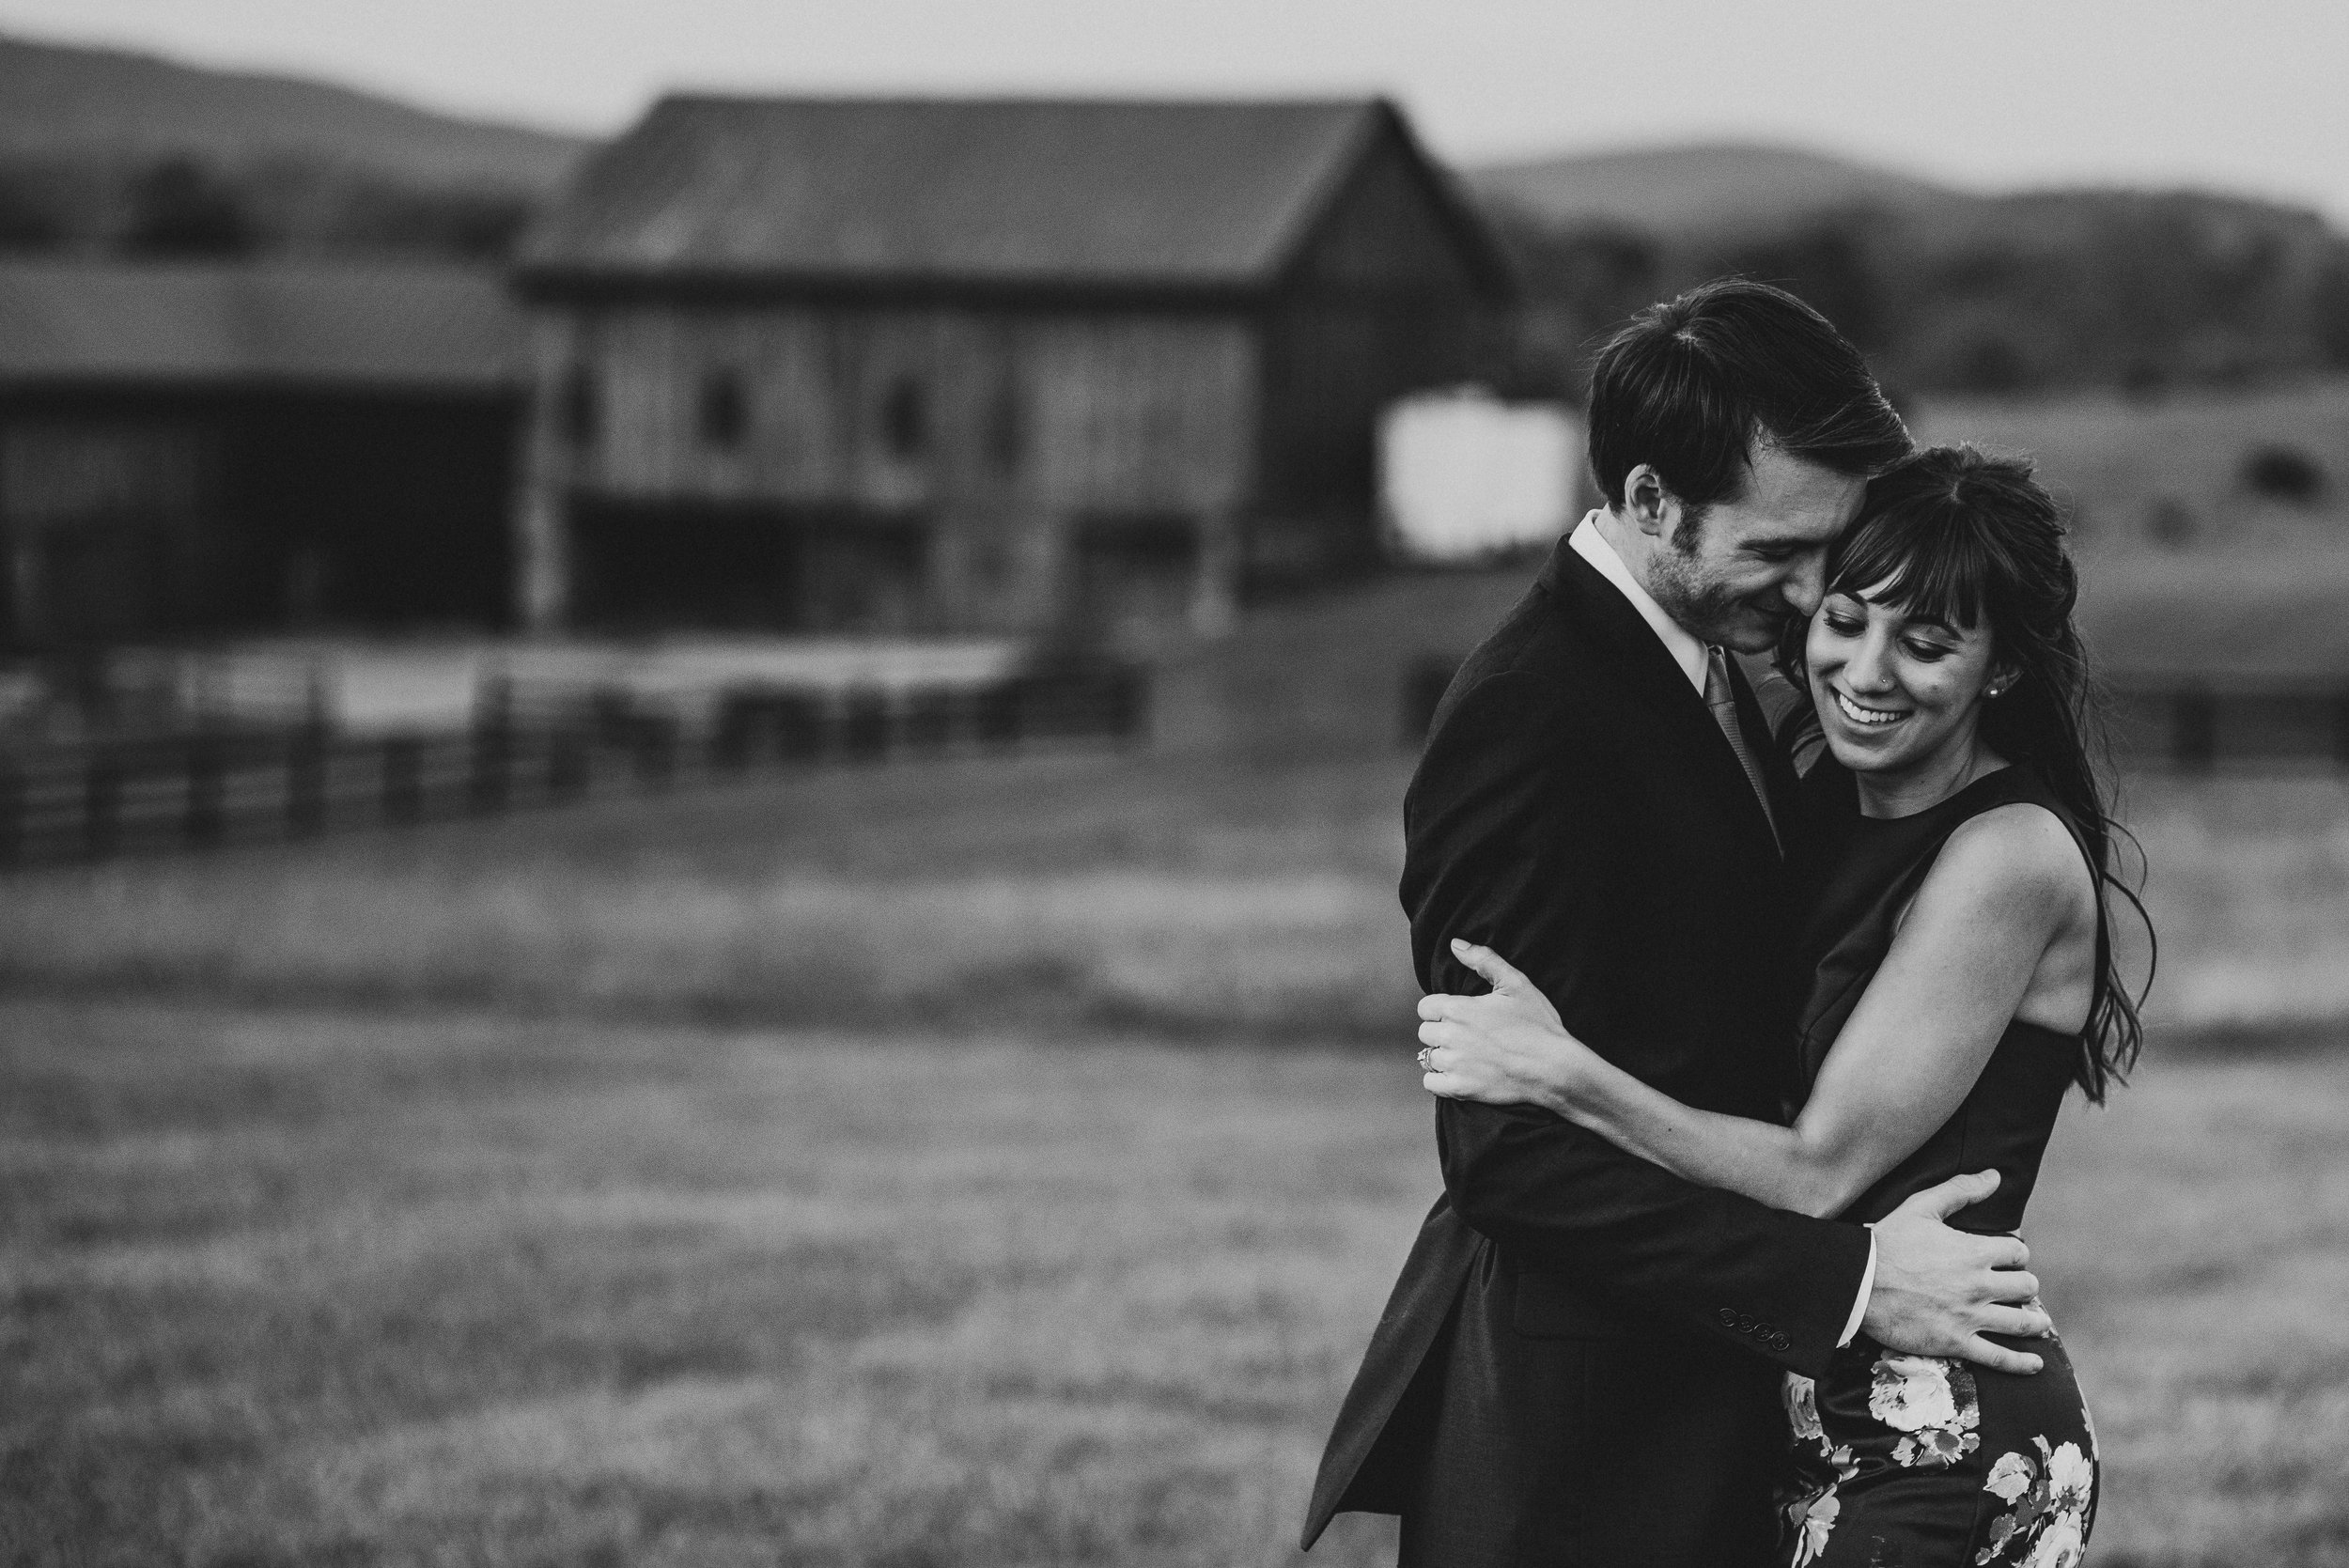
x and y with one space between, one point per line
1024 367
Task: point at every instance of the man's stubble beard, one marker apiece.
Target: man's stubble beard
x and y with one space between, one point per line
1709 611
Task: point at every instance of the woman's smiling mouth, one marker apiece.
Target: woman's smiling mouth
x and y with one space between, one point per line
1874 717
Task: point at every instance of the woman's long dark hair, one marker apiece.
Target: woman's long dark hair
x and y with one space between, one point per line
1967 539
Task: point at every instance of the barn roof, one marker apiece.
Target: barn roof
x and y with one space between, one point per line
380 328
999 191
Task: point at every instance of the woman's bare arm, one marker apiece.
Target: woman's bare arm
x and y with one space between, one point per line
2007 886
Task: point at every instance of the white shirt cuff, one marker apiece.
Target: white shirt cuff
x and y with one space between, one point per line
1867 1288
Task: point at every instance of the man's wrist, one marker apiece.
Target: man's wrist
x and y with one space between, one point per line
1867 1288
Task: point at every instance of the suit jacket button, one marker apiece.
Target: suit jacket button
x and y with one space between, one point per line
1729 1317
1779 1342
1745 1324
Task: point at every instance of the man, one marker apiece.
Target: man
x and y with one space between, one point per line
1581 1361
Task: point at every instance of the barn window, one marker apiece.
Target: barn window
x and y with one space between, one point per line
905 418
583 410
724 410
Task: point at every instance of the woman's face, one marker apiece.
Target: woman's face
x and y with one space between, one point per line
1894 693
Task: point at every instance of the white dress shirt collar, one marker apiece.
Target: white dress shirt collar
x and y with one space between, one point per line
1686 650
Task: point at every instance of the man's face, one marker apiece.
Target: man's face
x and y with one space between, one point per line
1758 559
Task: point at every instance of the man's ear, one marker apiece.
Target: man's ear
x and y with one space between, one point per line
1649 503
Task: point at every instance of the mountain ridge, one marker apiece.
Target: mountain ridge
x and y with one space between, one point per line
69 103
1685 187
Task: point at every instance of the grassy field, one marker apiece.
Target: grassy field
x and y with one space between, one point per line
302 1287
1201 895
981 1162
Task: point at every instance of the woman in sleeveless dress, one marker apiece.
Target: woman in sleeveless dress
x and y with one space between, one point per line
1951 870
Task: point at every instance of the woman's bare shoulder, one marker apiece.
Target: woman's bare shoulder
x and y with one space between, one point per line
2013 857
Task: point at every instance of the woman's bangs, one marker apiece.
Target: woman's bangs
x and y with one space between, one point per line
1927 566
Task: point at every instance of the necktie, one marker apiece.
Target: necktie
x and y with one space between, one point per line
1722 700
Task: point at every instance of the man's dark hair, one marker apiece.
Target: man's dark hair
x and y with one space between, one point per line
1691 385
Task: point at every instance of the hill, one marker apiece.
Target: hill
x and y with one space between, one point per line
105 150
1701 187
1946 290
62 101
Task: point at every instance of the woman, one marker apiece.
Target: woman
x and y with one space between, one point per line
1961 981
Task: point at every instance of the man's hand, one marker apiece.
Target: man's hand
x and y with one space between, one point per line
1938 1291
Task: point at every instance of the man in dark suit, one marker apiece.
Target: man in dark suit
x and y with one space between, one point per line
1581 1363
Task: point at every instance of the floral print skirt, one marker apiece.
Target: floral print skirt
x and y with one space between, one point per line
1916 1462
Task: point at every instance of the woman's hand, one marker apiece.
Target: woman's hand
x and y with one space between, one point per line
1505 1048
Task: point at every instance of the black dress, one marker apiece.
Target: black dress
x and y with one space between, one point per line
1914 1461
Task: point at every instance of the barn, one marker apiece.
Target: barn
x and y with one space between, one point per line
1038 367
209 449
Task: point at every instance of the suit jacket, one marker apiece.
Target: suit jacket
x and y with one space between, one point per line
1578 811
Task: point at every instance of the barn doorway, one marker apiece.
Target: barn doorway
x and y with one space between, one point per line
98 582
644 566
1134 577
102 521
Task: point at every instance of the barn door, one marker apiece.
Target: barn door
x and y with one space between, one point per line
1134 577
662 567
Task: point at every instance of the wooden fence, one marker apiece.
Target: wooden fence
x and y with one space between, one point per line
95 799
2200 726
2163 722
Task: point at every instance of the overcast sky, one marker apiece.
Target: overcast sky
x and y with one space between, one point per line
2250 95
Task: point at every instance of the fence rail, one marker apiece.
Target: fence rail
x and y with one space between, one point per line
2159 721
95 799
2199 725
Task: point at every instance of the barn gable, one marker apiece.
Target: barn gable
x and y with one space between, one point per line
1396 224
1004 193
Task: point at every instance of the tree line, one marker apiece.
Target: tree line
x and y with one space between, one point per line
184 206
2136 291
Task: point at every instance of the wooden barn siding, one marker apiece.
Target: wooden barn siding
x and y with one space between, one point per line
105 523
1113 411
1117 413
156 513
194 508
66 471
1380 303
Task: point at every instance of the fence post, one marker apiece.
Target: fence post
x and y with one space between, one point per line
102 801
567 762
305 781
1000 711
655 737
799 721
864 726
11 815
2193 729
206 822
929 718
730 738
403 779
492 751
1130 703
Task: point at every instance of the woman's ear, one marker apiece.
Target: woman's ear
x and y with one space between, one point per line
2003 678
